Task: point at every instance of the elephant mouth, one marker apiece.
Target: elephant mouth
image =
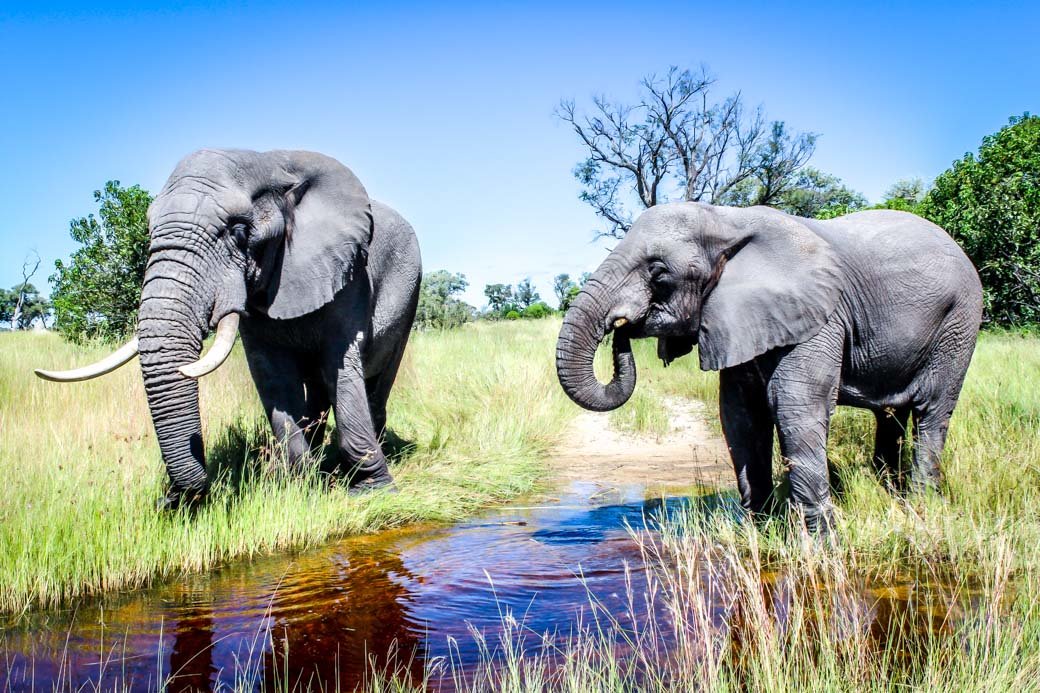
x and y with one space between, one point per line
646 327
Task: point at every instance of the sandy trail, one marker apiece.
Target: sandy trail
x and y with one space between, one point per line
691 453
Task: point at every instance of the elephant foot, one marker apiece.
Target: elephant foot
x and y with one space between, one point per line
762 511
819 521
175 499
377 481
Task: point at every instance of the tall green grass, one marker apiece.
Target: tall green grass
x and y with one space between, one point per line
977 544
82 471
482 406
991 465
716 612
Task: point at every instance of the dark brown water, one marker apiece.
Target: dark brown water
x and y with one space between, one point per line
410 601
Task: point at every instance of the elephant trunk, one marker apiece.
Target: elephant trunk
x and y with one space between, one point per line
584 327
171 326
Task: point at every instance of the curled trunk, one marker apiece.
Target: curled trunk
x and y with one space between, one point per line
584 327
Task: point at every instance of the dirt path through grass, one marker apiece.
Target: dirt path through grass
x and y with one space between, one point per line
690 453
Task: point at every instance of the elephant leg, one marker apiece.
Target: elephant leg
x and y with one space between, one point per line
946 372
378 389
317 399
930 427
359 456
281 383
803 392
888 445
747 424
803 446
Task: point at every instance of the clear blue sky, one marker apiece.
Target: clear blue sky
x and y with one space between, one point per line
445 110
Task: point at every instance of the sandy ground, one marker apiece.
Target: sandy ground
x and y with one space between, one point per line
690 454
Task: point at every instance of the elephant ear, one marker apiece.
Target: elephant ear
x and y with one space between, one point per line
328 228
779 284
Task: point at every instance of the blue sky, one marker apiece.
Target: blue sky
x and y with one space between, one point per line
445 110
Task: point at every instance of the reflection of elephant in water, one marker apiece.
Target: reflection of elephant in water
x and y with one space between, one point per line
330 623
322 283
334 627
878 309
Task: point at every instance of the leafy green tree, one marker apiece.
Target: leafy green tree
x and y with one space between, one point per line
565 289
525 294
990 203
905 195
439 307
910 191
818 194
33 307
97 293
512 315
499 296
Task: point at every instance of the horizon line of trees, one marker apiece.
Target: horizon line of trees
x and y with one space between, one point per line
676 141
441 308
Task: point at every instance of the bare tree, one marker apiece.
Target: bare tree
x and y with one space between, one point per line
27 274
679 143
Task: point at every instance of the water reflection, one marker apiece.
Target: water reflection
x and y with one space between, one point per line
404 601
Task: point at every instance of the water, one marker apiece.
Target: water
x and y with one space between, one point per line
404 600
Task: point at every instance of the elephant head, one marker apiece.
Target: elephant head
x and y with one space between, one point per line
233 233
738 282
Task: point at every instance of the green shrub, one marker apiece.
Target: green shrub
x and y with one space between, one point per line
990 204
537 310
97 292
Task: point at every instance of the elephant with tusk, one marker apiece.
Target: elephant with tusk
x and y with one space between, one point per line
878 310
286 249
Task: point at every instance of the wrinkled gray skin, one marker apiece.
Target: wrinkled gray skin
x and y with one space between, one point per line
878 310
326 283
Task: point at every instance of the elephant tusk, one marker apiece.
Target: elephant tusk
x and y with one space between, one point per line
105 365
620 322
227 328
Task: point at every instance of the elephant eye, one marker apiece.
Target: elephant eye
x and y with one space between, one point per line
240 233
658 273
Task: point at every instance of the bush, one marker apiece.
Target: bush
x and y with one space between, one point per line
439 308
991 205
537 310
512 315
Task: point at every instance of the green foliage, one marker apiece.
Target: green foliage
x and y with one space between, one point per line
538 310
820 195
499 296
990 203
526 296
512 315
565 290
438 306
905 195
34 307
97 293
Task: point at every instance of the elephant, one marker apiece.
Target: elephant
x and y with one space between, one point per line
286 249
878 309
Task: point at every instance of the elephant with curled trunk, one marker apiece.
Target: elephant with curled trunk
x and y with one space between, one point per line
286 248
878 309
